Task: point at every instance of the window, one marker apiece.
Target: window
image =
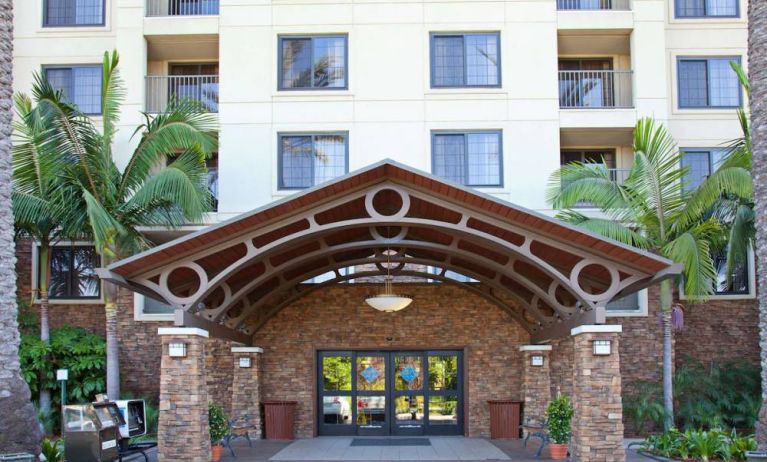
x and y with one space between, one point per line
212 179
318 62
700 163
739 282
63 13
72 273
708 83
465 60
471 159
306 160
81 85
706 8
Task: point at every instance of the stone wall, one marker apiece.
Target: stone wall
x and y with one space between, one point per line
441 316
562 367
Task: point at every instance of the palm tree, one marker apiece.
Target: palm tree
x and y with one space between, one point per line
110 205
19 429
652 210
757 64
36 205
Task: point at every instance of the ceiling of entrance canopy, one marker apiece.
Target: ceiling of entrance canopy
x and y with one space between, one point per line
239 273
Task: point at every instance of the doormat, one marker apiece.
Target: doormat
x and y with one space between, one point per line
391 442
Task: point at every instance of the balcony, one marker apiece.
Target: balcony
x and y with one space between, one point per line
580 5
202 90
595 89
159 8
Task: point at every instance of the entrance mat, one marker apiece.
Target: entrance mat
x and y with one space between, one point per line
391 442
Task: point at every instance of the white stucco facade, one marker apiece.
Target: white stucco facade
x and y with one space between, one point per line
389 109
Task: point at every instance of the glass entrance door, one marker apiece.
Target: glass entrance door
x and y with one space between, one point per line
377 393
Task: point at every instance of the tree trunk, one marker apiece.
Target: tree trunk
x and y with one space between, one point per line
113 349
45 333
757 73
19 429
666 294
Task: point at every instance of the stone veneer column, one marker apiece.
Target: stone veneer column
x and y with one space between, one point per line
246 390
598 417
536 383
183 427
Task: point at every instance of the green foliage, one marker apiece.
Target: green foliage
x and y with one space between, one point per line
700 444
218 423
53 451
559 413
642 406
27 319
72 348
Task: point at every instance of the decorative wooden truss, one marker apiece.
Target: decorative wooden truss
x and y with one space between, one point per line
233 277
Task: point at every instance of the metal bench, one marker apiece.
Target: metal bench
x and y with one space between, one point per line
238 428
534 429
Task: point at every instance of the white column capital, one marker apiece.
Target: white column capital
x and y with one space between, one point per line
535 348
242 349
597 329
191 331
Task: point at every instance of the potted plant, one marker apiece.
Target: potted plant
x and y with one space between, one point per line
559 413
218 425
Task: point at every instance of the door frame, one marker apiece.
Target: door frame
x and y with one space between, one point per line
390 428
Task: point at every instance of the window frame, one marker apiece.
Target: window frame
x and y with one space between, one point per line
463 34
280 135
45 24
641 311
706 59
499 132
138 311
46 67
59 300
750 274
280 72
707 16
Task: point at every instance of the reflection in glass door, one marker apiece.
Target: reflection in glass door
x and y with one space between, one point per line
390 393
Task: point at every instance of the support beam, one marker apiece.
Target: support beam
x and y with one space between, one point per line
185 319
562 329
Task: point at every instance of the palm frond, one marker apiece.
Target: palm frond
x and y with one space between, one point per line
607 228
741 237
112 95
104 227
692 249
584 182
726 180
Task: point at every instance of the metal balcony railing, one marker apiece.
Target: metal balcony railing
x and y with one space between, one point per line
181 7
201 90
595 89
615 5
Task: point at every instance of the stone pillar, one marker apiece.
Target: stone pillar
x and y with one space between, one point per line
536 382
598 417
246 391
183 428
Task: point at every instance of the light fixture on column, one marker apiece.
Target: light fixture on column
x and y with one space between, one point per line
177 350
536 360
602 347
387 301
245 362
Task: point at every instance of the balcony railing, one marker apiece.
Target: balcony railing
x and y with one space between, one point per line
616 5
181 7
202 90
595 89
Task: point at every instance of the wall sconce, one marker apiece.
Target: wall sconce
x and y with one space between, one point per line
602 347
244 362
177 350
536 360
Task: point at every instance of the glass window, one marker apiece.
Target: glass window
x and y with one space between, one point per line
700 164
627 303
212 179
80 85
152 306
313 62
337 373
738 283
708 82
60 13
73 272
308 160
465 60
472 159
706 8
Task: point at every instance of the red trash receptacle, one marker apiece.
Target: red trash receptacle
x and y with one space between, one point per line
279 417
504 419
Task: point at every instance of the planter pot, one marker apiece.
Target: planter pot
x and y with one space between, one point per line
558 451
215 452
756 456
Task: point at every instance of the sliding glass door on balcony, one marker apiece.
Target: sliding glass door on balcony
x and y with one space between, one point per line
182 7
593 5
194 83
592 83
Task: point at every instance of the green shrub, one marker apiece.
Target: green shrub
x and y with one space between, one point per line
53 451
218 423
559 413
700 444
642 406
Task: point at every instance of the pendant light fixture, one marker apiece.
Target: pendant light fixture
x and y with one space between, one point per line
387 301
